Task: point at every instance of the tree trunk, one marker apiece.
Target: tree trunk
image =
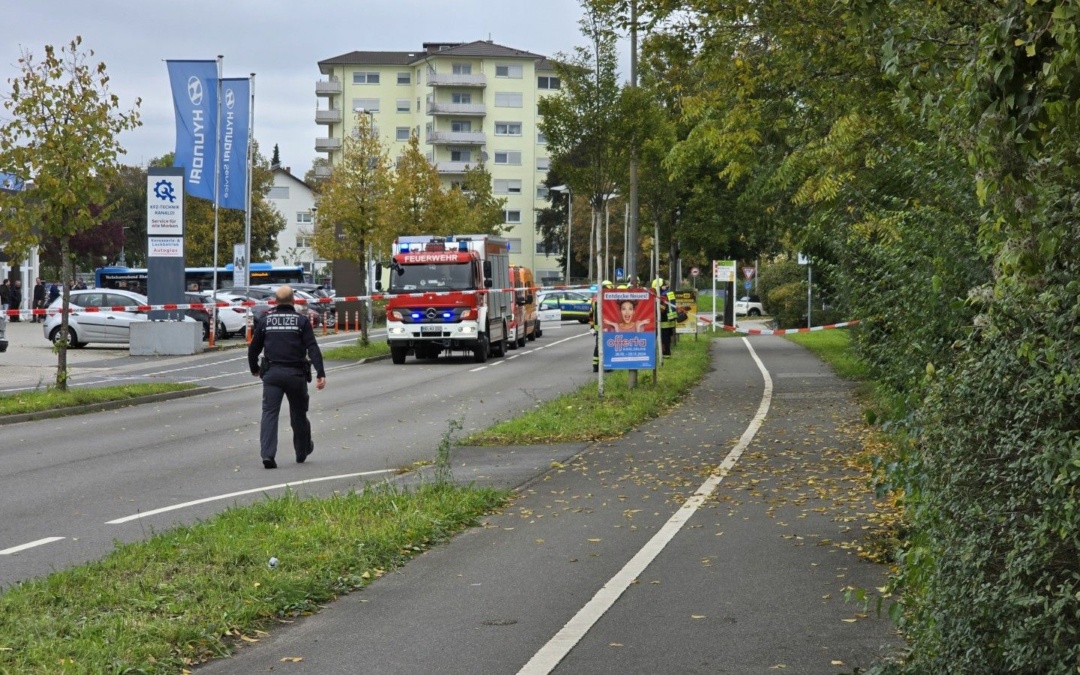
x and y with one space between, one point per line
61 352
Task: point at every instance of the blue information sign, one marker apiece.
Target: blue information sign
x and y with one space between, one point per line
748 285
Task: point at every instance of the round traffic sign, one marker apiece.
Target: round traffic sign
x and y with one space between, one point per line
694 271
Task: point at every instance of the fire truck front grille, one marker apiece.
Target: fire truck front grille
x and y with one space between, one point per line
421 315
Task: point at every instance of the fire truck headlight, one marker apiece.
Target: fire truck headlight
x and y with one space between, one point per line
468 314
395 330
395 315
467 329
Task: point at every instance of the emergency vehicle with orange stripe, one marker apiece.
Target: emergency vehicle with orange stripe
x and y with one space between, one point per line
449 294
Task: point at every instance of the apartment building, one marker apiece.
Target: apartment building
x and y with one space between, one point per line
466 102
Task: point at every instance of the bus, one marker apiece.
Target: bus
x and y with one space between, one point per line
134 279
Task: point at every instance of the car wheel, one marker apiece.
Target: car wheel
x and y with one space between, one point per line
397 354
331 320
502 346
521 338
536 332
221 333
72 338
205 330
754 312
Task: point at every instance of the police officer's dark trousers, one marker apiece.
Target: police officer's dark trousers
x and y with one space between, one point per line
282 381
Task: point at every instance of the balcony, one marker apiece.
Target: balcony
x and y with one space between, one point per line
469 109
327 116
456 138
327 144
453 168
322 171
456 80
327 87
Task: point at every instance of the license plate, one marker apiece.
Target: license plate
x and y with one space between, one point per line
431 329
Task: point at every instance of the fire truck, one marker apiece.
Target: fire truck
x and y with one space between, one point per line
449 294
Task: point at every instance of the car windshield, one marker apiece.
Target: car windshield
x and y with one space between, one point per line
446 277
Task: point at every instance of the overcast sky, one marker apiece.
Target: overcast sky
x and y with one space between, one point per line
281 42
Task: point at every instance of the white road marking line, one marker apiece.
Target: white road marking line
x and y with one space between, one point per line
174 507
32 544
549 656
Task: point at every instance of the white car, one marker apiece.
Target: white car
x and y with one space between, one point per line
231 320
107 326
749 305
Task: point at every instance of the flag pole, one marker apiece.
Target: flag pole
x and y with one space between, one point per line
250 183
217 182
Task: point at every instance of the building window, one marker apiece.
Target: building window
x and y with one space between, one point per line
417 104
278 192
511 158
512 216
541 138
402 105
462 68
514 244
404 78
459 126
402 133
303 217
542 249
508 128
541 192
361 77
418 75
304 241
365 104
543 163
461 97
508 71
548 82
508 99
507 187
460 155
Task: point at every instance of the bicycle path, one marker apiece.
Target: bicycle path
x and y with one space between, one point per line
719 538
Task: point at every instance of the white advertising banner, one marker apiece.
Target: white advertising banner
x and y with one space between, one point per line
165 247
164 206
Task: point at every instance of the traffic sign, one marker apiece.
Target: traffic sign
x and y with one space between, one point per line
694 271
618 273
749 272
748 285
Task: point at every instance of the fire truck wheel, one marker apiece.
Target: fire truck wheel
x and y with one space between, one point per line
521 338
397 354
502 346
480 351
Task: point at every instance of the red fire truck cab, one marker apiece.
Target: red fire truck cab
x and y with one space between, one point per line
449 294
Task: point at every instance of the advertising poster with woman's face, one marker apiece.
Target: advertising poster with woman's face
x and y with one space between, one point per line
629 328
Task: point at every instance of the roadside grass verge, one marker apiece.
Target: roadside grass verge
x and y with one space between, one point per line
49 398
585 416
834 348
357 351
193 593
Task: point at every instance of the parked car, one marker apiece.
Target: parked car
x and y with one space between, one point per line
749 305
327 310
107 327
572 304
262 294
230 320
200 315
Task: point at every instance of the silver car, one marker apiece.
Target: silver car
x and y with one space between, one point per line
107 326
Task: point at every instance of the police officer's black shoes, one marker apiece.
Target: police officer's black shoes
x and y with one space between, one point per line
269 463
311 448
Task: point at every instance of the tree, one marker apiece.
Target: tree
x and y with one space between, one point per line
354 204
63 135
312 178
483 210
275 159
417 203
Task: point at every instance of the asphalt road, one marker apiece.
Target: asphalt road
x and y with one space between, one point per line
718 539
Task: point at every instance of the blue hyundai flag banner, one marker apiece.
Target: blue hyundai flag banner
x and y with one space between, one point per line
235 122
194 90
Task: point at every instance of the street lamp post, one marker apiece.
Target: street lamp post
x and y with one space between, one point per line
569 222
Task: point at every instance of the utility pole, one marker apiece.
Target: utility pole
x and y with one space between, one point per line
632 235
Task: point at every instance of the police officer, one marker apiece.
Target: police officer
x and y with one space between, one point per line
287 341
668 314
594 324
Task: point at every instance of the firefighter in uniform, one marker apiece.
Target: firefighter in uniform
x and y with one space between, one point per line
289 351
668 314
594 324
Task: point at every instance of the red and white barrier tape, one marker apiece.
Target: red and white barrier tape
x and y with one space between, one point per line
780 331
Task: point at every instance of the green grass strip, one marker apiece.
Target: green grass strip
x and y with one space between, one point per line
39 400
188 595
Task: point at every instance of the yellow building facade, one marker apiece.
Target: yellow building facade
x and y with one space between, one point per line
467 103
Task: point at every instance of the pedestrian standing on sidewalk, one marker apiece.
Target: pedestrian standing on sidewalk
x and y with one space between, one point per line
5 295
39 299
289 351
54 293
16 299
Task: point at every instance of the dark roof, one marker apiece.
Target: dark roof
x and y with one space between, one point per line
373 59
480 48
285 170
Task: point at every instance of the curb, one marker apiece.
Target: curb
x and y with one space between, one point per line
104 405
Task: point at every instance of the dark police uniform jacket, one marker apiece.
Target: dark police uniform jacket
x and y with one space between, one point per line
285 338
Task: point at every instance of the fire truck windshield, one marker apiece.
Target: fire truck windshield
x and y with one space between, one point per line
442 277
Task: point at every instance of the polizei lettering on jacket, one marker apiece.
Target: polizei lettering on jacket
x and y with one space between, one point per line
282 322
427 258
